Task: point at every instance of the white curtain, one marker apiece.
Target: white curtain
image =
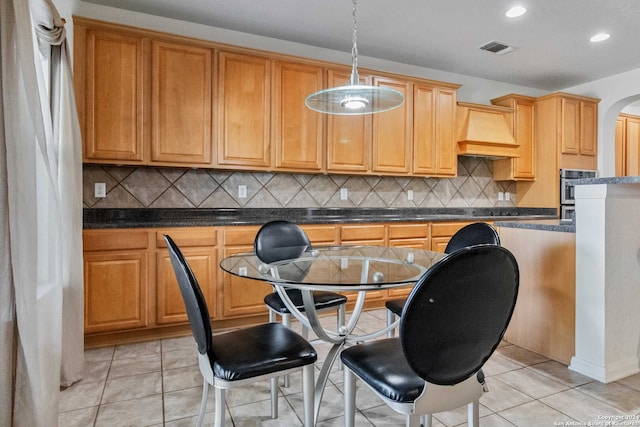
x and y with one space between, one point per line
40 221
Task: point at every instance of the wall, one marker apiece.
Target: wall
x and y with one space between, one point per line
139 187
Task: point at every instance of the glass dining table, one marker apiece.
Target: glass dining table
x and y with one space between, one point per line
358 269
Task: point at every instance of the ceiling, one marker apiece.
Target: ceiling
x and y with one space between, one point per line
551 41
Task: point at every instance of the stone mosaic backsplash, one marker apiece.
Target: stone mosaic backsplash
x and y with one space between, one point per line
148 187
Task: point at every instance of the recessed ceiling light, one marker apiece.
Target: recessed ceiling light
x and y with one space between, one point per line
516 11
600 37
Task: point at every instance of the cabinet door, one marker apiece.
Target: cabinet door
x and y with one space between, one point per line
392 130
115 294
408 236
524 166
621 148
297 130
633 141
588 128
114 92
243 297
243 110
181 104
570 126
348 137
364 235
170 306
434 138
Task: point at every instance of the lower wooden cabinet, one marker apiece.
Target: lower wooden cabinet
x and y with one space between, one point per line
131 291
116 277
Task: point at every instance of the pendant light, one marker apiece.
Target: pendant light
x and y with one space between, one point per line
354 98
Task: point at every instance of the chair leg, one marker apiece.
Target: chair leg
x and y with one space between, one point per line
272 316
274 397
286 321
473 410
390 319
308 395
426 420
349 398
413 420
220 407
341 317
203 403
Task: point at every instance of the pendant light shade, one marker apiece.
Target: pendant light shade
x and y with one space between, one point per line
355 98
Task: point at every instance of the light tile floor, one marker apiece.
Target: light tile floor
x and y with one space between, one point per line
158 383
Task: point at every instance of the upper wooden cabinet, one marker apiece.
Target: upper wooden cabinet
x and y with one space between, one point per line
571 124
244 111
348 137
627 145
180 104
149 98
521 168
297 130
143 100
110 86
434 130
391 133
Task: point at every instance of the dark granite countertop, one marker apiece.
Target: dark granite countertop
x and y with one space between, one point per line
177 217
565 226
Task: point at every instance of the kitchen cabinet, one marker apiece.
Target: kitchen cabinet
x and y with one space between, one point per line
565 129
111 87
241 297
181 100
408 236
136 106
441 233
243 111
434 130
521 168
297 130
392 131
364 235
116 280
544 317
627 145
348 137
199 247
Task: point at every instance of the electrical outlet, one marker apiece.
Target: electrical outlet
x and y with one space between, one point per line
344 194
409 194
242 191
507 196
500 196
100 190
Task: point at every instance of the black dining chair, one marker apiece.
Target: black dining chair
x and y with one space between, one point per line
471 234
245 356
453 320
281 240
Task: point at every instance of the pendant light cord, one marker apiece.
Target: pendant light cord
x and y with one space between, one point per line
355 79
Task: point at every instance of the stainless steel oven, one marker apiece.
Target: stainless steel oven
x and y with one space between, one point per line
567 189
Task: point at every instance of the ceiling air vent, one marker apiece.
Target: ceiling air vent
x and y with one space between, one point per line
496 47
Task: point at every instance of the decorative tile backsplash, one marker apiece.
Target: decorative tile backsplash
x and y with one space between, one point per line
148 187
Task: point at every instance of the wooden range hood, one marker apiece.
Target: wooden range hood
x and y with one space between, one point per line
484 131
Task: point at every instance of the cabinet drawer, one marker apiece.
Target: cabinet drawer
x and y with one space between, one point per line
321 234
187 237
362 232
408 231
234 236
446 229
109 240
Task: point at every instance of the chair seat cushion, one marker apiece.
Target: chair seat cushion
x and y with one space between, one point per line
259 350
382 365
396 305
321 300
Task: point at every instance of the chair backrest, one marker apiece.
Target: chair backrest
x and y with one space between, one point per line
193 299
473 234
280 240
457 313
